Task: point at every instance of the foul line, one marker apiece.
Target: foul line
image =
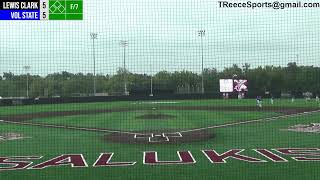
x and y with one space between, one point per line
68 127
251 121
135 133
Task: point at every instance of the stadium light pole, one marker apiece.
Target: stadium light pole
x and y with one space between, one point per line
151 86
124 44
151 81
93 37
27 68
201 34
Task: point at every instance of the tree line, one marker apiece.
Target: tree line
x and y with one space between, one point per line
292 79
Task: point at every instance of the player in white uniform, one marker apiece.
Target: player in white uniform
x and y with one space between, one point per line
259 101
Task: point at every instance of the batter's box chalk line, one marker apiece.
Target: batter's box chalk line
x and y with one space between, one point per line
158 137
175 134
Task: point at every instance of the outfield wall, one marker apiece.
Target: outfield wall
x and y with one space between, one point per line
136 97
61 100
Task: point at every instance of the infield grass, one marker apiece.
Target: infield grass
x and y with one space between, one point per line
180 120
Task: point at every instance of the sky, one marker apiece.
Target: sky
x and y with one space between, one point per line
161 35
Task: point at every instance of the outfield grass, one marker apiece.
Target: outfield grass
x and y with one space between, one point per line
51 142
140 104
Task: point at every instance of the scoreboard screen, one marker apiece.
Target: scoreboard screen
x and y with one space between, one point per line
226 85
41 9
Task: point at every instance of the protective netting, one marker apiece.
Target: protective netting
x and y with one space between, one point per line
141 78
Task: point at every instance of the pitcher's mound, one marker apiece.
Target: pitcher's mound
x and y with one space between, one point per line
155 116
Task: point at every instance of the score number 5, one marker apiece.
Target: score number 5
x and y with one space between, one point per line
44 6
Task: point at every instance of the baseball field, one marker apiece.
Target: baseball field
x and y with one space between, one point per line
176 139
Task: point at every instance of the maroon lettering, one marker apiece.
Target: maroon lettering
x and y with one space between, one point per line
75 160
185 157
16 163
302 154
214 157
105 158
271 156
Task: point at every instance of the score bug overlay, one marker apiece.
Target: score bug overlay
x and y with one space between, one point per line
41 10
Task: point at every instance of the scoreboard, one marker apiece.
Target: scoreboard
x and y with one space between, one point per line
41 9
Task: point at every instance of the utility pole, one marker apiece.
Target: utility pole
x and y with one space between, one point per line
93 37
124 44
201 34
27 68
